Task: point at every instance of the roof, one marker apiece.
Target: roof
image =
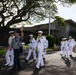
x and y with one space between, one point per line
46 25
71 22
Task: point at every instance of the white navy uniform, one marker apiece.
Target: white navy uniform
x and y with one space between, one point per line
32 48
46 46
66 48
71 44
9 54
62 50
40 46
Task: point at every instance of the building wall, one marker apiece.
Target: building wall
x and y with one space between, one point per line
68 28
65 32
55 30
61 32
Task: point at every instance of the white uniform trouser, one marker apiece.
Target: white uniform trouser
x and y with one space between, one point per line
62 51
9 57
70 50
44 54
67 52
29 54
40 61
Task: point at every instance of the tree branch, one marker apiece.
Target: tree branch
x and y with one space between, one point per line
15 5
38 13
13 21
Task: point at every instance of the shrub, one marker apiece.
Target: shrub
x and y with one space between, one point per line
73 34
35 37
51 40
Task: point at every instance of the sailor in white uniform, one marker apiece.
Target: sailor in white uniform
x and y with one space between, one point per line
62 50
41 47
46 46
32 48
71 43
10 54
66 48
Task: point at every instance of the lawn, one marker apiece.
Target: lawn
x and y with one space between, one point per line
2 52
52 48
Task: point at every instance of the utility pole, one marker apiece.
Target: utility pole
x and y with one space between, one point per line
49 20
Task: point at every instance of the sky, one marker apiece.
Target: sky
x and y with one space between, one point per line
65 12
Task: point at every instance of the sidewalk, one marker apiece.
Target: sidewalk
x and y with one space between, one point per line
55 65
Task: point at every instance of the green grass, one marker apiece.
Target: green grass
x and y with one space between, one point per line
2 52
52 48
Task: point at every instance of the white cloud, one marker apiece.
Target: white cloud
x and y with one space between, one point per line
67 12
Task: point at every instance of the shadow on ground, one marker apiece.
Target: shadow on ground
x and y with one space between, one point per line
47 70
28 68
55 70
67 62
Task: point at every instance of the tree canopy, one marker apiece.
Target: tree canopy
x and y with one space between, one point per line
16 11
60 21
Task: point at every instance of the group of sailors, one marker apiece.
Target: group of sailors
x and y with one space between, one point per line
12 54
40 44
67 46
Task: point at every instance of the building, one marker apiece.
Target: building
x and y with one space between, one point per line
55 29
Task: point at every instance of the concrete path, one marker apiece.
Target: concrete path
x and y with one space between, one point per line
54 65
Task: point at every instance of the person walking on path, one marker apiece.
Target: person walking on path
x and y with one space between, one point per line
16 44
10 53
41 47
32 48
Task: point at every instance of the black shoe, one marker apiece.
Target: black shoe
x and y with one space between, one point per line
63 57
71 56
44 60
26 60
34 60
36 68
41 66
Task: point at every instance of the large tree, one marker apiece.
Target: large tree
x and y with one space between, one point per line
16 11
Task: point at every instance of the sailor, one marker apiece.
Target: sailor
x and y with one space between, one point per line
71 43
32 48
46 46
16 44
62 51
66 48
10 54
41 47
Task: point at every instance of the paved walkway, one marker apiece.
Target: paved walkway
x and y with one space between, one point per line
55 65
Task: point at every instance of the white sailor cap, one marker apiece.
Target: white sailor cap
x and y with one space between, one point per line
31 35
40 32
11 32
64 38
70 37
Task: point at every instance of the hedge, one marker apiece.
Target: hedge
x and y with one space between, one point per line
51 40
